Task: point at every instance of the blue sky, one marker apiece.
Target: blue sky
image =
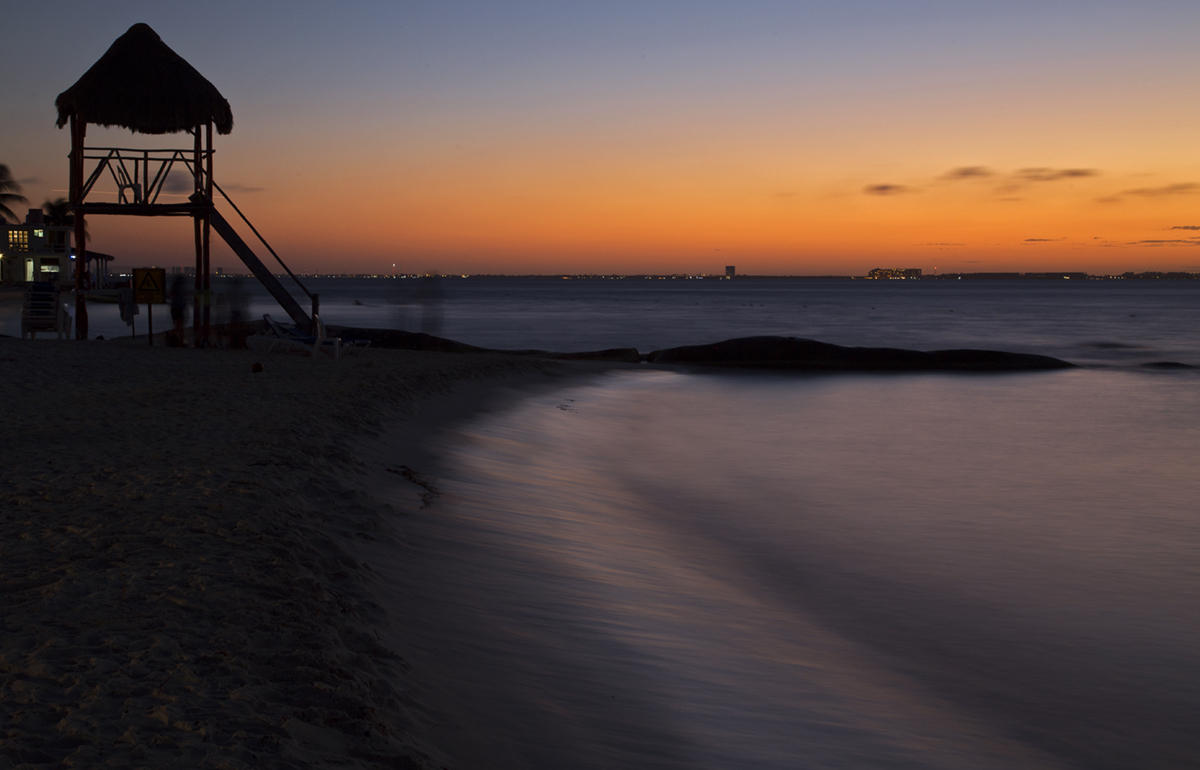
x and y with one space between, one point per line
464 120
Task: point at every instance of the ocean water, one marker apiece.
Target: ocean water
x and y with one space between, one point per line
659 569
1115 322
668 569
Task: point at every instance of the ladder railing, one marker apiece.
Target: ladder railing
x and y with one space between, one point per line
314 299
260 271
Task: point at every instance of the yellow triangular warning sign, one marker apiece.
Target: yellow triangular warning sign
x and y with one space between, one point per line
149 282
149 285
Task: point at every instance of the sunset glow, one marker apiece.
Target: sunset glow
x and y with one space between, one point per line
801 138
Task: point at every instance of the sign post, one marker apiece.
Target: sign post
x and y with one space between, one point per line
149 286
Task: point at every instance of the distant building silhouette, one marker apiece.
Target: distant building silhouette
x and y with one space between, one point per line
730 271
36 251
895 273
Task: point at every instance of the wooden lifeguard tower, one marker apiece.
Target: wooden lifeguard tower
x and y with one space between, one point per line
142 85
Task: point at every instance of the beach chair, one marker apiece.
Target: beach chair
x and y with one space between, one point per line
43 311
285 338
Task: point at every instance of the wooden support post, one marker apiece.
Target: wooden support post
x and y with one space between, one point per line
78 133
206 318
208 202
197 294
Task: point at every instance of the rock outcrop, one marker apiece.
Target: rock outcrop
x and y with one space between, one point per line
809 355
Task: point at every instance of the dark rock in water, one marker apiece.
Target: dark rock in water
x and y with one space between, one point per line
810 355
402 340
1167 365
747 352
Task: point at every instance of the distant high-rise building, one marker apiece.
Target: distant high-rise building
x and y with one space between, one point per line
730 271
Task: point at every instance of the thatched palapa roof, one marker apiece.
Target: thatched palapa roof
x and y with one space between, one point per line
142 85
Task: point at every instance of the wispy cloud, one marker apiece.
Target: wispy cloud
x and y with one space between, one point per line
967 172
1162 191
181 183
944 244
242 188
1021 179
1042 174
887 189
1042 240
1185 227
1166 242
1179 188
178 183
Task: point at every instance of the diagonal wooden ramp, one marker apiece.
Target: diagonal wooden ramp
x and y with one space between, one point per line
260 271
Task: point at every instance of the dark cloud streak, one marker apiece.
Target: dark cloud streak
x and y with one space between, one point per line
887 189
178 183
1163 191
1179 188
242 188
1165 242
1054 174
967 172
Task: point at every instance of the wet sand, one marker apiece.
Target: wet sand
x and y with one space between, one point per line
178 573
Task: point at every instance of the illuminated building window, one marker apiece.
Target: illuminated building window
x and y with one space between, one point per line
18 240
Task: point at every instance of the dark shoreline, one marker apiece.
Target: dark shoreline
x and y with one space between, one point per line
766 352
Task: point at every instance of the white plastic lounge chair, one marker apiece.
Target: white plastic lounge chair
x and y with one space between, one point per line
284 338
43 311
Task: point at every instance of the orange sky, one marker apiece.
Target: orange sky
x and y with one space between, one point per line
824 142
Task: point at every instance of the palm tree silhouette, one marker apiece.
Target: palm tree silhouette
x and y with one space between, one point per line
58 213
10 192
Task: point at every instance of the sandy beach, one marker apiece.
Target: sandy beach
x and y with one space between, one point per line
177 578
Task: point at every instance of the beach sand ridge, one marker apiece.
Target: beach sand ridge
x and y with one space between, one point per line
175 581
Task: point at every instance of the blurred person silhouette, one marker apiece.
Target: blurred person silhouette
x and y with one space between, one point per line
129 307
179 302
232 307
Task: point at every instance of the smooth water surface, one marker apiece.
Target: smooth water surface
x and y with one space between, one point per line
672 570
1106 322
